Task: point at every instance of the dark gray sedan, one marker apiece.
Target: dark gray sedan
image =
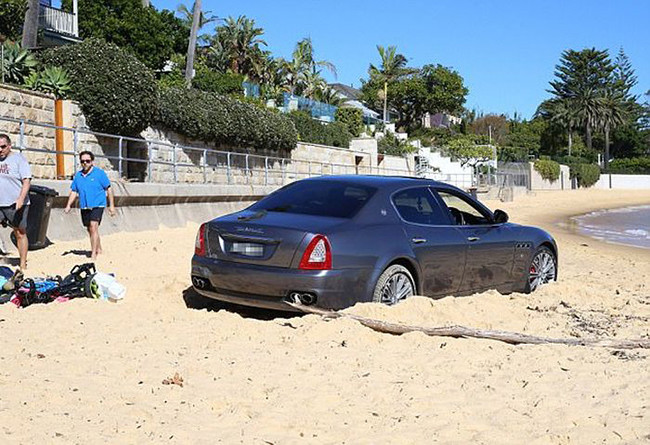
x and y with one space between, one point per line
338 240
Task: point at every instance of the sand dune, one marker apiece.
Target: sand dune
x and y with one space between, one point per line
88 371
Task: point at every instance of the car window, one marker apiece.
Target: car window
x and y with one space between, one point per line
320 198
417 205
463 211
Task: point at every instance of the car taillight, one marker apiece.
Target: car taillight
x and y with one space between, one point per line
199 245
318 254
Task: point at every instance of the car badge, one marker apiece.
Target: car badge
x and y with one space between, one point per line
249 230
383 212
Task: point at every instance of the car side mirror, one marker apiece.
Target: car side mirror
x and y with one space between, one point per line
500 217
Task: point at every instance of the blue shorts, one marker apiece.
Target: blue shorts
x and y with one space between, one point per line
94 214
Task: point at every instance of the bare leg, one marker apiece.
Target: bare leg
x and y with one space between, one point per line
23 245
94 236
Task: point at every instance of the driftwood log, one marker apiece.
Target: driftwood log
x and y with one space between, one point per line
513 338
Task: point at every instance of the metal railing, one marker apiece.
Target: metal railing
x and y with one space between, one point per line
56 20
164 162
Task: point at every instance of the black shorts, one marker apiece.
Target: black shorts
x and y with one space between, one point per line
16 219
94 214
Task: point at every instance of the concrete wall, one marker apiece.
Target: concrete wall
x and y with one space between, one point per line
623 182
539 183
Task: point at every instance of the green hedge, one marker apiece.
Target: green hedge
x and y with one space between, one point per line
639 166
117 93
547 169
352 118
586 174
221 83
334 134
224 120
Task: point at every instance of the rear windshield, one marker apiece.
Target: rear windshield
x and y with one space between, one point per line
320 198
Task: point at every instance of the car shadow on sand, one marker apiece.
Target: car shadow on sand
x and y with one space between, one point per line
193 300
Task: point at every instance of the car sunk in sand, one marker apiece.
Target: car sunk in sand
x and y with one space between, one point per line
338 240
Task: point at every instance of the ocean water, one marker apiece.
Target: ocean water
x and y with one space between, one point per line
629 225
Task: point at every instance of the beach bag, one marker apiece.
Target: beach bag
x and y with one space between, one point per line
105 287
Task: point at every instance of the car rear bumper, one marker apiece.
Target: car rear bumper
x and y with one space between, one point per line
270 287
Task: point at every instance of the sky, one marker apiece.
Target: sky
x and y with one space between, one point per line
506 51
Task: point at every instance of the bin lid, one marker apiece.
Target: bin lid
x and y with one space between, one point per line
41 190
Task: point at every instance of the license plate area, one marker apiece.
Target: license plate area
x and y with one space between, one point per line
253 250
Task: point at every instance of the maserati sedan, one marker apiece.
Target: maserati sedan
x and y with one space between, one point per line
338 240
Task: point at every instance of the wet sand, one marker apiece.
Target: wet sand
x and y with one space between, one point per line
88 371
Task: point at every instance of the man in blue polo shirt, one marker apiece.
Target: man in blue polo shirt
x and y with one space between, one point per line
92 186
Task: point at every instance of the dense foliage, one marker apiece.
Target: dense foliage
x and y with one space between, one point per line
215 82
389 144
12 14
17 63
547 169
117 93
586 174
334 134
152 35
224 120
352 118
468 151
640 166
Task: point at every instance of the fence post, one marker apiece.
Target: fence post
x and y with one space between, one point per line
247 170
174 160
283 168
228 167
22 134
266 170
120 155
149 157
204 164
75 143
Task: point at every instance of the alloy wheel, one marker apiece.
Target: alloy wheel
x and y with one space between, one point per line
542 269
396 288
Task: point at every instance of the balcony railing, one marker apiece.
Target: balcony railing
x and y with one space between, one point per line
53 19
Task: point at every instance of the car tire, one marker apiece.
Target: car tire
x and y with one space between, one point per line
394 284
541 270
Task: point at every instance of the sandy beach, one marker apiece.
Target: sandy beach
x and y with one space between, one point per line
89 371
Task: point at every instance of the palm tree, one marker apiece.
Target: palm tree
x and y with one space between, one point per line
191 47
303 54
562 112
239 41
392 67
312 83
30 25
330 96
187 17
613 115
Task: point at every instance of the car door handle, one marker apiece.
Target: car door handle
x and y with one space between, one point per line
471 239
418 240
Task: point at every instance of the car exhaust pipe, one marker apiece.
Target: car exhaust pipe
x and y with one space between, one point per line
199 283
304 298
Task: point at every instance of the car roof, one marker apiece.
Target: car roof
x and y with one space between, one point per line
379 180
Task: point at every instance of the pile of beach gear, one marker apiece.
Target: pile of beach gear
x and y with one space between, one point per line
83 281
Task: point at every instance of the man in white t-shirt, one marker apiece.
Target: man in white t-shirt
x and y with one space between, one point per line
15 178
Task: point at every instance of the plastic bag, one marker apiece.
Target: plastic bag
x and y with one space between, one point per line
106 287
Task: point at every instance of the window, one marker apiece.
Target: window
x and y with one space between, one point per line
462 211
320 198
417 205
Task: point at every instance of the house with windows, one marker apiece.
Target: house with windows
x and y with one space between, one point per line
352 99
58 27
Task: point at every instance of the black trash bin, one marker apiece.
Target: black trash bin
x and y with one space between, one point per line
38 218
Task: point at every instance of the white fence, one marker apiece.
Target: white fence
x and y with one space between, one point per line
618 181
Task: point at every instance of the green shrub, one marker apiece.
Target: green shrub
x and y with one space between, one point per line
12 16
17 63
547 169
391 145
117 92
225 120
352 118
221 83
334 134
640 166
586 174
53 80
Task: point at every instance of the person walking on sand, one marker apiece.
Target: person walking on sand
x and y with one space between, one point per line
15 179
92 186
